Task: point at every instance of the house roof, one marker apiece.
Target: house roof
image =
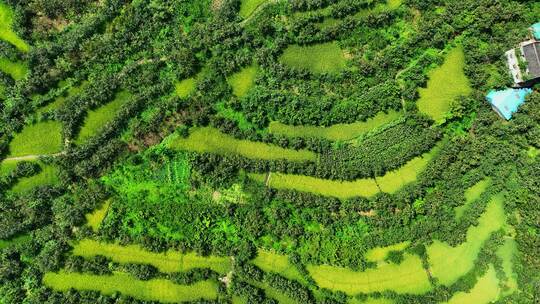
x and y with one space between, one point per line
531 51
536 30
506 102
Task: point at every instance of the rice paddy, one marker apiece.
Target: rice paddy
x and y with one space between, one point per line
60 100
170 261
366 187
37 139
242 81
471 195
95 218
379 254
319 58
211 140
274 293
445 84
185 87
269 261
449 263
97 118
485 291
47 177
507 253
335 132
409 277
17 70
247 7
151 290
6 31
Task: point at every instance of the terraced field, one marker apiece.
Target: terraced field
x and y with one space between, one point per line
211 140
151 290
446 83
335 132
37 139
379 254
95 218
185 87
247 7
471 195
243 80
6 31
367 187
170 261
17 70
485 291
319 58
47 176
272 262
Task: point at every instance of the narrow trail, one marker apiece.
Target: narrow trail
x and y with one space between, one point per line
30 157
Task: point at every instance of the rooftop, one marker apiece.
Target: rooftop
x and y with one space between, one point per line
506 102
535 28
531 52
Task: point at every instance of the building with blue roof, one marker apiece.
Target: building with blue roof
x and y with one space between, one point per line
535 29
506 102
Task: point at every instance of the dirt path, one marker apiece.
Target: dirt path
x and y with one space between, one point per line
30 157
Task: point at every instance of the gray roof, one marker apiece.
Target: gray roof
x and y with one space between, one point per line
531 51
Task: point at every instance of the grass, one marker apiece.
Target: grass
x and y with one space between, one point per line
6 32
409 277
95 218
97 118
7 165
151 290
247 7
170 261
471 195
445 84
17 70
47 176
379 254
486 290
272 262
335 132
319 58
507 254
211 140
37 139
185 87
242 81
449 263
365 187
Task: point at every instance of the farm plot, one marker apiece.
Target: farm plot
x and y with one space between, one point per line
366 187
47 176
507 254
211 140
485 291
445 84
247 7
185 87
6 32
409 277
319 58
37 139
379 254
97 118
449 263
335 132
170 261
60 100
273 293
242 81
269 261
17 70
151 290
95 218
471 195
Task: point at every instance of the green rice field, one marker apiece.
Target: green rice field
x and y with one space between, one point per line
485 291
379 254
507 253
7 165
95 218
449 263
366 187
211 140
37 139
471 195
170 261
269 261
60 100
151 290
370 301
445 84
274 293
335 132
47 176
6 32
409 277
247 7
97 118
17 70
185 87
242 81
319 58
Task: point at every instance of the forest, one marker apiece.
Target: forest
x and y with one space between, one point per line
266 151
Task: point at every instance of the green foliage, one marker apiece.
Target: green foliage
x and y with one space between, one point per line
185 87
248 6
17 70
319 58
471 195
6 31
